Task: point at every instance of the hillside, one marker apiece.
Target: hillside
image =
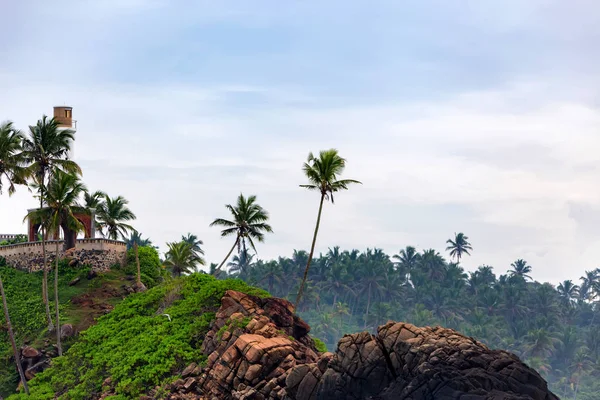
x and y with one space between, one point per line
198 337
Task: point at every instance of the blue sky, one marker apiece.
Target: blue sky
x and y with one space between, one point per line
473 116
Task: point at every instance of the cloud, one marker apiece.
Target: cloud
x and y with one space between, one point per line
481 118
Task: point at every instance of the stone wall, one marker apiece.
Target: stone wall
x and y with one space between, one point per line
100 254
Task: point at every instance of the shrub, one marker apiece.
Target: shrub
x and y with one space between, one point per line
150 265
136 344
320 345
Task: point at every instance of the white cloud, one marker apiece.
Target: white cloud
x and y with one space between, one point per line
178 177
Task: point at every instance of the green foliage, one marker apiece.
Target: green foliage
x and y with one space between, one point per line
150 265
16 240
554 329
322 347
136 344
23 292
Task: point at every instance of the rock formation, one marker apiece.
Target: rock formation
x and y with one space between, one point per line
258 349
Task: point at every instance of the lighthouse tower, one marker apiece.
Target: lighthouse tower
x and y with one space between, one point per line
64 116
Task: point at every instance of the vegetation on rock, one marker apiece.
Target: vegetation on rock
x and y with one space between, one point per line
142 343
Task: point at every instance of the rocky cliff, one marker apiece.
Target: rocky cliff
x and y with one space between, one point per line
258 349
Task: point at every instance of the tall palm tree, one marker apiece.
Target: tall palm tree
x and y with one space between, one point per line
112 215
45 149
407 260
11 157
459 246
180 258
249 223
195 244
520 269
62 198
322 173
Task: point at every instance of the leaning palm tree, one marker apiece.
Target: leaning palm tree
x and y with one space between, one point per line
62 198
459 246
249 223
112 214
322 173
11 157
45 148
180 258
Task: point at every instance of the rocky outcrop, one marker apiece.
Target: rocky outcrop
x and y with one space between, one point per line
34 361
406 362
258 349
251 346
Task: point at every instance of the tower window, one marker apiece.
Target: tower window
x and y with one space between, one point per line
68 113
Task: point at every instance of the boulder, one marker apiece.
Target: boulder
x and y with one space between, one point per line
67 331
29 352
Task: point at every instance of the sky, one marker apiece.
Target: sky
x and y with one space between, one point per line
467 116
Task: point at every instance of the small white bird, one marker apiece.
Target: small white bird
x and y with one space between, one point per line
168 316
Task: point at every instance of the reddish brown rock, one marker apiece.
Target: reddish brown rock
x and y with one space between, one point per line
258 349
29 352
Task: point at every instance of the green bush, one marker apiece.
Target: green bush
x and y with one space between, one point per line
137 345
24 297
320 345
150 265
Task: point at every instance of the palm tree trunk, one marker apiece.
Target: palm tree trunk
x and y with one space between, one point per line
137 262
312 250
58 345
12 338
226 257
45 269
368 306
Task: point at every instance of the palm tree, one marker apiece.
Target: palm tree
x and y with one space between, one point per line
47 148
521 269
180 258
11 336
11 158
407 260
241 263
568 291
322 173
195 244
459 246
112 214
62 197
249 223
11 169
136 237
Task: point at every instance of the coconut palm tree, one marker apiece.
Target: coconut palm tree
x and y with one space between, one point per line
136 237
11 169
240 264
11 157
62 199
195 244
520 269
568 291
180 258
112 214
249 223
322 173
45 149
459 246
